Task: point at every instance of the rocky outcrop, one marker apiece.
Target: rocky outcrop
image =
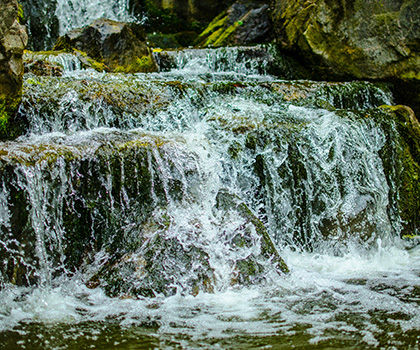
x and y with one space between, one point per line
120 46
372 39
13 39
244 23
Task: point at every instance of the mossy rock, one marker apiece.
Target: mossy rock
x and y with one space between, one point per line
347 40
86 195
401 158
115 45
12 125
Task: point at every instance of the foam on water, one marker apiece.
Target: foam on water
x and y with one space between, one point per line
352 299
73 14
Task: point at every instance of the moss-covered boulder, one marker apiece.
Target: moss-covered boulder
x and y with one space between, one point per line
120 46
244 23
355 40
401 160
61 204
13 40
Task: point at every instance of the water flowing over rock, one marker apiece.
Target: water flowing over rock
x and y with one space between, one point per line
120 46
355 40
13 40
209 204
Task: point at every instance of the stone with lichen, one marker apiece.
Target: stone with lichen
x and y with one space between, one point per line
13 39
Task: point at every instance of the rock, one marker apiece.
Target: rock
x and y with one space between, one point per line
401 161
355 40
97 207
120 46
43 68
55 63
244 23
248 268
13 39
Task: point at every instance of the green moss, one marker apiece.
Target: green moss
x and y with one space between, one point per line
218 32
223 39
9 127
144 64
21 16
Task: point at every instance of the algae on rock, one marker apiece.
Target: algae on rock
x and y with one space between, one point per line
120 46
368 40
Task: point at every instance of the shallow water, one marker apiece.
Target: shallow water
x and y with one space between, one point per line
359 301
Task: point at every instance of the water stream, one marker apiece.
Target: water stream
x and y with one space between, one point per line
73 14
133 214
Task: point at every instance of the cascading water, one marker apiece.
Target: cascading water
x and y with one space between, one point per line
73 14
155 211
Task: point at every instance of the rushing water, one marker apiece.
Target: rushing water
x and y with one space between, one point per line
73 14
150 157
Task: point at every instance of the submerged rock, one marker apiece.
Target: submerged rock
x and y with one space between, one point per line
120 46
248 268
13 39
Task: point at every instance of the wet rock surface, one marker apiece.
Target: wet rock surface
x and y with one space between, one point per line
13 39
375 40
120 46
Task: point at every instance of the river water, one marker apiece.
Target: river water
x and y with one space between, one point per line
214 122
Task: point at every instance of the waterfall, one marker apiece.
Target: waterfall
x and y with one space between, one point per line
73 14
203 206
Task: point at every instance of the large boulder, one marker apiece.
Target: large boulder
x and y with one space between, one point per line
120 46
376 40
13 40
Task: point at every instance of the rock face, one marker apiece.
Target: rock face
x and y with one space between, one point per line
244 23
355 39
13 40
120 46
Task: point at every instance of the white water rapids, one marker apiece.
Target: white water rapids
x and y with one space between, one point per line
344 290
